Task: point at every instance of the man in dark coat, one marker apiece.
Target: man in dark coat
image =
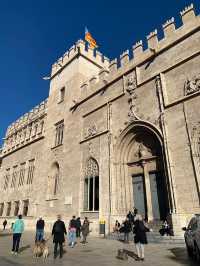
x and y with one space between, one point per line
58 233
140 237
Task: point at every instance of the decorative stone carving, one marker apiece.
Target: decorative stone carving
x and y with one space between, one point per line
141 150
131 85
91 131
92 168
195 138
90 148
192 85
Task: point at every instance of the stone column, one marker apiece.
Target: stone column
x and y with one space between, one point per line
21 207
5 209
148 191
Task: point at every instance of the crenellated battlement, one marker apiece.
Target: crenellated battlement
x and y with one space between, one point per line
27 118
154 46
188 14
80 48
169 27
187 9
168 23
26 129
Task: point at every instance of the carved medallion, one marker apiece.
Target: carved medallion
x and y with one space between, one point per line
192 85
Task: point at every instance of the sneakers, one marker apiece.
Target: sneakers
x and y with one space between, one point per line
14 253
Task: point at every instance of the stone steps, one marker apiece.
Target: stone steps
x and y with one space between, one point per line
153 237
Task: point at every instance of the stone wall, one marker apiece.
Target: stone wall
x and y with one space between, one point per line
109 110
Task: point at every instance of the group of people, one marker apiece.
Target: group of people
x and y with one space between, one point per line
134 223
59 233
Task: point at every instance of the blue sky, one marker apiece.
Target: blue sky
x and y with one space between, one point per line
33 34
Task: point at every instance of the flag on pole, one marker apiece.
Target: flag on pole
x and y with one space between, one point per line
90 39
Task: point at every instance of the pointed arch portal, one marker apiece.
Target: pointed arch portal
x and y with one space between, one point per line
142 179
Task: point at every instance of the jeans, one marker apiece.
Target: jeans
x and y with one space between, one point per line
16 241
39 234
126 237
72 237
84 238
60 249
140 250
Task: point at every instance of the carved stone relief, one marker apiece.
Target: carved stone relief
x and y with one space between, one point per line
195 139
192 85
130 87
143 151
90 131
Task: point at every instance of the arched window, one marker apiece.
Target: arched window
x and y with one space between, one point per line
91 189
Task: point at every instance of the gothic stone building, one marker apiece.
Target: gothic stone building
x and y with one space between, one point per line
112 135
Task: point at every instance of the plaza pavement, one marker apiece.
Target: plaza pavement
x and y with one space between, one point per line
97 252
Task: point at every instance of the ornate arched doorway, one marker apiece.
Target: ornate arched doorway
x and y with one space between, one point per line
141 171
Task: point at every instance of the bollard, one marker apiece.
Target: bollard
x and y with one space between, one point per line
102 227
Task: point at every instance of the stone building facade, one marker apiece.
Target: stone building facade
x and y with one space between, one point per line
112 135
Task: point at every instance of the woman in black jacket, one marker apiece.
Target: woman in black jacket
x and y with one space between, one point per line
140 237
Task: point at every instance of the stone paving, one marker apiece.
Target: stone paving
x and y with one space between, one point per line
97 252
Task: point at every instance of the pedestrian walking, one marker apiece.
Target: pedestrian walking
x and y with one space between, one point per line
85 230
58 233
78 227
72 231
18 229
127 229
40 230
140 237
4 224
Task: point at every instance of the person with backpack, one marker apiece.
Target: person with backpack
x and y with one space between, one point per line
58 233
40 230
18 229
78 227
72 231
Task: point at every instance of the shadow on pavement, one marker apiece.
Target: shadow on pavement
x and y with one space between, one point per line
180 255
131 254
7 234
8 261
24 248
